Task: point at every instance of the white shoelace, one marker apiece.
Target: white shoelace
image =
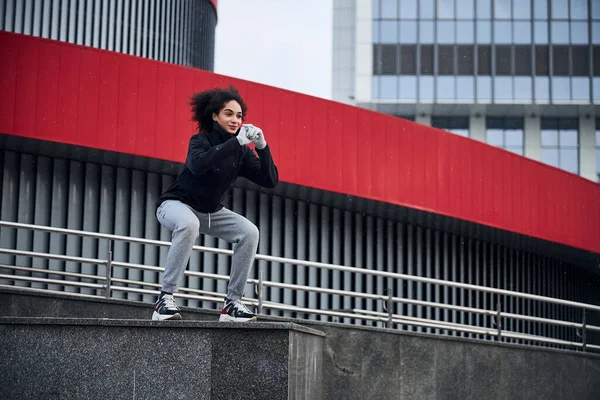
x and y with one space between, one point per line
170 302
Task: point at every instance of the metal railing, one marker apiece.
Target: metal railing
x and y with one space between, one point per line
108 284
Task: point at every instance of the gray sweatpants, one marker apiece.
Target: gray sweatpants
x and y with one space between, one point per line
186 225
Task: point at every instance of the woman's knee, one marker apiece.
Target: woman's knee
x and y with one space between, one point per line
251 232
189 228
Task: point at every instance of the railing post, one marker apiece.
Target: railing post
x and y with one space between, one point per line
109 257
583 330
390 308
260 288
499 318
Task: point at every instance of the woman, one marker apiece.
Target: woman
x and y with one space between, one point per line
216 156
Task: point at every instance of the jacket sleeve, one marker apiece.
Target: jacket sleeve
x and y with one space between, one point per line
260 170
202 156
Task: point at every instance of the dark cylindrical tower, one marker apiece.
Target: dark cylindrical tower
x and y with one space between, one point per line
176 31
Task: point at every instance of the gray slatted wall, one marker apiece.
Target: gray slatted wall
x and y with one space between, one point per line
82 195
176 31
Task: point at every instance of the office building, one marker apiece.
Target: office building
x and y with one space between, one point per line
523 75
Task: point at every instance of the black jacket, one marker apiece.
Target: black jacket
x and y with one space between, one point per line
214 161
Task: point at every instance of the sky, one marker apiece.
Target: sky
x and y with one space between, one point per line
282 43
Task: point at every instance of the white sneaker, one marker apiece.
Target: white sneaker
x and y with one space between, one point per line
236 311
165 308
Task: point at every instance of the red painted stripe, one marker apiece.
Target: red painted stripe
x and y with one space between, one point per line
365 138
88 100
430 159
183 127
68 96
127 116
333 146
405 154
46 111
316 146
111 101
166 137
27 84
283 140
147 108
392 161
376 147
443 173
454 184
349 145
108 105
9 51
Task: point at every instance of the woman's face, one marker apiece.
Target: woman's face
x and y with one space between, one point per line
230 117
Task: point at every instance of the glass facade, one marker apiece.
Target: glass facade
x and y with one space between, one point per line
501 51
344 53
456 125
506 133
560 143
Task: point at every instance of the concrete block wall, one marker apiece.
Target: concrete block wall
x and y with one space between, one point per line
57 358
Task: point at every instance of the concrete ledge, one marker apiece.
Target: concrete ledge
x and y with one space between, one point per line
286 326
71 358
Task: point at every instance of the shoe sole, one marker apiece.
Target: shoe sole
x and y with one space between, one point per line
159 317
228 318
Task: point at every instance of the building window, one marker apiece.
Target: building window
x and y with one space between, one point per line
408 60
466 56
389 9
560 143
506 133
541 51
456 125
445 60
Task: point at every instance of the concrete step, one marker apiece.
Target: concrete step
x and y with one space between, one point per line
357 362
93 358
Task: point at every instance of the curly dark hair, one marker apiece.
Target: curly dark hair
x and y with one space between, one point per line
205 103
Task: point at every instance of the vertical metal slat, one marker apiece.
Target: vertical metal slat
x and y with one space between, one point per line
313 253
348 257
379 263
152 232
336 255
43 204
324 255
58 213
75 217
137 222
25 211
38 18
9 202
437 274
264 245
91 218
302 243
54 17
121 216
276 249
359 260
19 11
428 273
80 22
288 249
112 24
3 13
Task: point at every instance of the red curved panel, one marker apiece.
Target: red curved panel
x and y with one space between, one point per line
94 98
